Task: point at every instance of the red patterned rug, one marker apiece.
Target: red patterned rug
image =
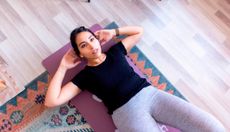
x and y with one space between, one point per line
26 112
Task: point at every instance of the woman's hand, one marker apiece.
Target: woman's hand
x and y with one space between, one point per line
105 35
2 84
70 59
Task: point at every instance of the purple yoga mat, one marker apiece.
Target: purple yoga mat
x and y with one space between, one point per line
93 111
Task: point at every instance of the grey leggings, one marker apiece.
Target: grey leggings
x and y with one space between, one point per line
142 111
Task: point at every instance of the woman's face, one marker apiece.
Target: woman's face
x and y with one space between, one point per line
88 45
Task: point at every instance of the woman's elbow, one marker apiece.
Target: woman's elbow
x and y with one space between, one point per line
49 104
141 30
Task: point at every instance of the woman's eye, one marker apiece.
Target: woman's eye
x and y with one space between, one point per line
91 39
83 45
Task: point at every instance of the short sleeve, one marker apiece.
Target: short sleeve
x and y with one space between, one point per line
119 47
79 80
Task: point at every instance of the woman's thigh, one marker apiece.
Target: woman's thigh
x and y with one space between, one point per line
178 113
135 123
135 115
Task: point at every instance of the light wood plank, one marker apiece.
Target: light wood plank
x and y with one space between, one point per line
187 40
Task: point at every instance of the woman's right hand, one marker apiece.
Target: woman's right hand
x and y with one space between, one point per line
2 84
105 35
70 59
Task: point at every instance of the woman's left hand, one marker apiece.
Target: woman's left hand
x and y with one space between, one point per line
105 35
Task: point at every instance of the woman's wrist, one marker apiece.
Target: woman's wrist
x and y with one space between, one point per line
117 33
62 68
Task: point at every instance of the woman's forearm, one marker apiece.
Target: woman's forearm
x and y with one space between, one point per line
54 88
133 35
129 30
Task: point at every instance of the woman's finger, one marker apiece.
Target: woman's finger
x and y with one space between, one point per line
103 42
97 33
73 54
68 52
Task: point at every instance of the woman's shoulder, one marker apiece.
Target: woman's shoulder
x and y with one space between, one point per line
118 48
82 72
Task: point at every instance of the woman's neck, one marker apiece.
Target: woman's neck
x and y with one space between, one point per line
97 61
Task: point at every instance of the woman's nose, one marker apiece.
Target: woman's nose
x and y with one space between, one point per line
90 45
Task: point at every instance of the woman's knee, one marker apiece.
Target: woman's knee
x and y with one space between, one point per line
210 124
216 127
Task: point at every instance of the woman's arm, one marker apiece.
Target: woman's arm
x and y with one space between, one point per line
133 34
55 94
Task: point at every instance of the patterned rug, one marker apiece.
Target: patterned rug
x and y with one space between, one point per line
26 111
155 77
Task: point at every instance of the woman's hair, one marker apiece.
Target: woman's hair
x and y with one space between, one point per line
74 34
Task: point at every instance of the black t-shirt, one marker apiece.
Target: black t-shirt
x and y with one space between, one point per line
114 80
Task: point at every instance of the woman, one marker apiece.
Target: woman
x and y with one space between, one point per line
134 104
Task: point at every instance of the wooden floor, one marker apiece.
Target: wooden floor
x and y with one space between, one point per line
188 40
